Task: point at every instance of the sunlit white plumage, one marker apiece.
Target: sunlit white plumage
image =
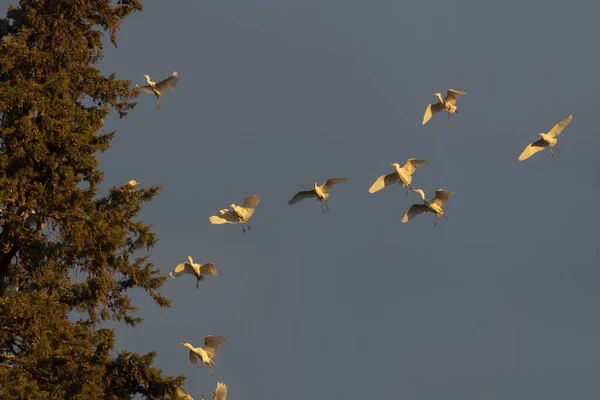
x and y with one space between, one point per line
198 270
548 140
401 175
321 192
220 392
435 205
447 104
237 214
205 353
158 89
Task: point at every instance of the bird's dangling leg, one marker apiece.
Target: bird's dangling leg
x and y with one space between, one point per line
326 206
198 284
249 227
435 219
322 206
551 152
446 217
557 149
448 118
243 229
211 372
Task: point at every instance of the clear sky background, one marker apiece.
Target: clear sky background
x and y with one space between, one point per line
500 302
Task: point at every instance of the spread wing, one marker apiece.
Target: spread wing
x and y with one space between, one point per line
441 196
331 182
533 148
430 111
412 164
306 194
414 210
251 201
208 269
182 269
168 83
220 392
194 358
384 181
452 95
224 217
145 88
557 129
211 344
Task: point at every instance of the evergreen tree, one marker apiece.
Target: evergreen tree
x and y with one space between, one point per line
71 253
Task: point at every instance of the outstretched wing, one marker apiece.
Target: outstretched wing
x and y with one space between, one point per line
145 88
220 392
558 128
533 148
306 194
182 269
383 181
441 196
168 83
224 217
430 111
194 358
414 210
452 95
412 164
208 269
331 182
211 344
251 201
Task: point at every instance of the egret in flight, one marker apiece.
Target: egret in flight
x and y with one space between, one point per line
158 89
205 353
220 392
401 175
237 214
435 205
319 192
447 104
548 140
192 268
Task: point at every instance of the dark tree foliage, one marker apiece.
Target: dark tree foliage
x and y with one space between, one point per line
72 254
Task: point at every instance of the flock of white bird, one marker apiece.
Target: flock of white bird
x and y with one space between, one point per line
402 175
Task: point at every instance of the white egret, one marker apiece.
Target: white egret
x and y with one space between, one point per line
158 89
547 140
435 205
447 104
401 176
205 353
132 183
198 270
220 392
320 192
237 214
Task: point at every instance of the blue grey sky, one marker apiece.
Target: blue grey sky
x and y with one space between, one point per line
500 302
